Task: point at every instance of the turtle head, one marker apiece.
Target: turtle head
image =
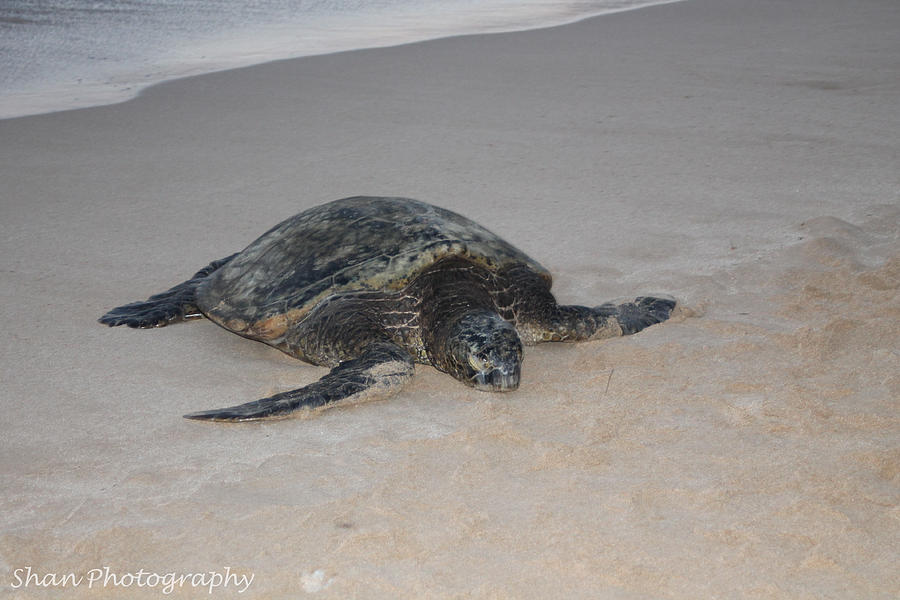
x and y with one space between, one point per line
485 352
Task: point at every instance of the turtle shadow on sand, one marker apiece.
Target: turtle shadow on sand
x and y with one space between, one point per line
370 286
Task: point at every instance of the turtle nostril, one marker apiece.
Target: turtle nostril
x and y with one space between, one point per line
497 378
505 380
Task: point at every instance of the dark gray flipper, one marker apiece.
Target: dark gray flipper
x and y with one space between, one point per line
638 314
380 372
171 306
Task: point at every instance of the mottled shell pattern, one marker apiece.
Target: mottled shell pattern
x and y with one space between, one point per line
359 244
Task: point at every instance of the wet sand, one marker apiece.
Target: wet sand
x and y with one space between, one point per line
741 156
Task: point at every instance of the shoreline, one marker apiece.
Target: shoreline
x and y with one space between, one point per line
728 153
242 51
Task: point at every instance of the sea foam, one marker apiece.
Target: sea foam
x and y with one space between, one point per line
63 54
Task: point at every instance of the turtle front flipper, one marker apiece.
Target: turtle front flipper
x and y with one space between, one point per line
539 318
637 314
612 319
380 371
173 305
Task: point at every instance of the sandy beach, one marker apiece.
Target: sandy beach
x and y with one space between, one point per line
741 156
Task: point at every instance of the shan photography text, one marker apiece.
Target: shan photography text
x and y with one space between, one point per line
105 577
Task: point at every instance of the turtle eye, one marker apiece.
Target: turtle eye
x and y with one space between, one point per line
478 363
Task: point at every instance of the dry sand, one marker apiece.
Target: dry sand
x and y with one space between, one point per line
741 155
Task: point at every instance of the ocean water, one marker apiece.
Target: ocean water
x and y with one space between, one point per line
61 54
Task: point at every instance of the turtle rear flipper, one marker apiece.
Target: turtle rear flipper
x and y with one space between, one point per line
173 305
379 372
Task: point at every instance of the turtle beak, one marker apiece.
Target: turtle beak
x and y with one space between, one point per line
498 379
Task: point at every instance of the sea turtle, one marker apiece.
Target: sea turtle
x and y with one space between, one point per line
370 286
